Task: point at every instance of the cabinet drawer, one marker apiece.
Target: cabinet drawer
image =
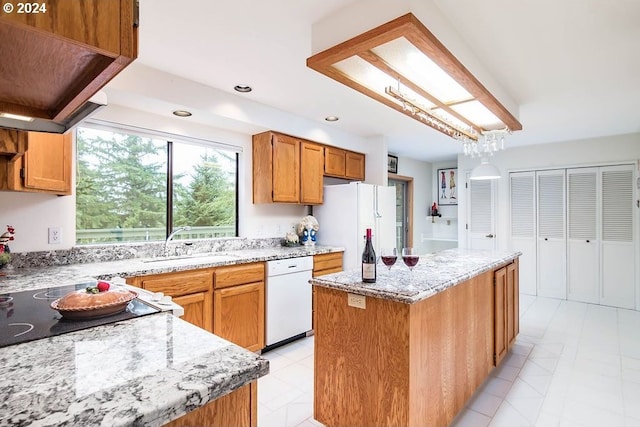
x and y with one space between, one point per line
238 275
322 262
178 284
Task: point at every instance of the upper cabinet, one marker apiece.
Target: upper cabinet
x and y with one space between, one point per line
339 163
62 52
286 170
41 164
290 170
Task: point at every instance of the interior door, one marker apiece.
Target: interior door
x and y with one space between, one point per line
523 227
551 225
481 217
583 252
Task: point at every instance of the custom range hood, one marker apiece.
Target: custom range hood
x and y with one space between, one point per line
13 121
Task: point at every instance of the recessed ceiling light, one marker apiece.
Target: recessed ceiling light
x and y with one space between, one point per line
242 88
332 118
182 113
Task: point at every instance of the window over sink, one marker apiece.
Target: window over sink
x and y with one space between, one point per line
138 186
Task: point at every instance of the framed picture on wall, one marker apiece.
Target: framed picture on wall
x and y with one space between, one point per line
392 164
447 183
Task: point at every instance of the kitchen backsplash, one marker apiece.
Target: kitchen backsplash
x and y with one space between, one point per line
117 252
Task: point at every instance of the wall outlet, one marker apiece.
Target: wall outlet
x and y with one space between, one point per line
55 236
357 301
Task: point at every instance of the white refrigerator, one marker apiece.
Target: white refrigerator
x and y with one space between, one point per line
348 210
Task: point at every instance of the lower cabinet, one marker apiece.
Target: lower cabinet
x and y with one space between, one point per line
193 290
506 302
239 315
238 408
239 296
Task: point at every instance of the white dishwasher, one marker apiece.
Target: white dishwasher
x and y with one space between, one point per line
288 295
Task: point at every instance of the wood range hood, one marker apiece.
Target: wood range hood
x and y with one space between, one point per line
55 62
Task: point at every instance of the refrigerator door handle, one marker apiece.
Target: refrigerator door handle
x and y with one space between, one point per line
375 202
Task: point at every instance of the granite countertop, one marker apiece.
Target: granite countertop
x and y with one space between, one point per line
145 371
434 273
27 278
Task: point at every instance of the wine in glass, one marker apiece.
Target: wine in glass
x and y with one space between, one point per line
389 256
410 257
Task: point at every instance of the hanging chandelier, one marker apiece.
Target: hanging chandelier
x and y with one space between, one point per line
489 142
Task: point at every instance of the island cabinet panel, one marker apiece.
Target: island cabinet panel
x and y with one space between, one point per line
239 304
238 408
506 300
396 364
193 290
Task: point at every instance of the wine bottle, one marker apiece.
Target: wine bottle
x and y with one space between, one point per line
368 260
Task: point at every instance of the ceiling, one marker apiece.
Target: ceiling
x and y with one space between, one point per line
571 66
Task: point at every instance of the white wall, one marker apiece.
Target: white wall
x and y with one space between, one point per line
595 151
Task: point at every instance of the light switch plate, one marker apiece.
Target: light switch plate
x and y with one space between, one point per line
358 301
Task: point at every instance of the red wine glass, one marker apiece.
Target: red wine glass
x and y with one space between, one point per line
389 256
410 257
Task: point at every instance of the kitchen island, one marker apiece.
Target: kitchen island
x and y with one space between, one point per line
411 349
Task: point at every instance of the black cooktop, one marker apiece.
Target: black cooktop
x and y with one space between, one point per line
27 315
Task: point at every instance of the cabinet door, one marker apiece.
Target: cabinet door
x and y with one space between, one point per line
354 167
334 162
90 22
239 315
195 309
311 168
286 169
500 306
327 263
193 290
47 162
513 301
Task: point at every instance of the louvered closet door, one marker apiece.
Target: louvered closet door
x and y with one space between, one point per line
618 229
583 245
481 219
552 246
523 227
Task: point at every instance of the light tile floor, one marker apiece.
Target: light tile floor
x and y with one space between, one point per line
573 365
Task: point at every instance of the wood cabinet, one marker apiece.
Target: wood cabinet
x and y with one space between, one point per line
291 170
327 263
60 57
44 167
238 408
346 164
506 303
193 290
285 170
239 305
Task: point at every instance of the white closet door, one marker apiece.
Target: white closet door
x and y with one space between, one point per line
481 221
583 245
523 227
552 246
618 255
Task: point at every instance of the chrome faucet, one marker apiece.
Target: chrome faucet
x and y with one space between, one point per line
176 231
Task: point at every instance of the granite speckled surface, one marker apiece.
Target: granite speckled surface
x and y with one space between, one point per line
145 371
142 372
434 273
26 278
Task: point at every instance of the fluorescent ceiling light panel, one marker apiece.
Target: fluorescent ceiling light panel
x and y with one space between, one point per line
402 65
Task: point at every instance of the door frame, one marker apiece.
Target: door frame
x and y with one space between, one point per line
408 180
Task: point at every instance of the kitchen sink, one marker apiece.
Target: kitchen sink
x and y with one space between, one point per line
204 257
